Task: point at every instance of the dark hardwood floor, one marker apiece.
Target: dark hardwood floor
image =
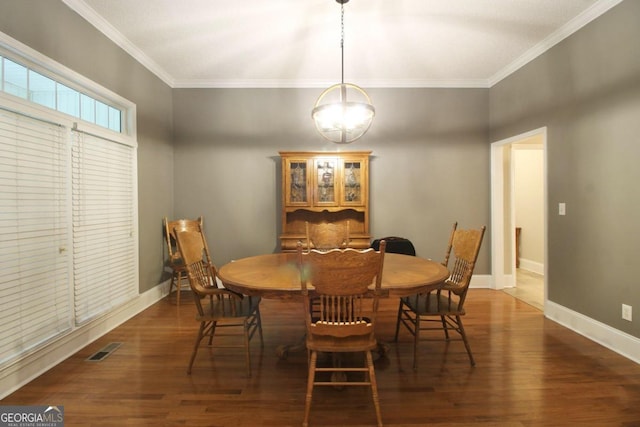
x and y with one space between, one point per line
530 372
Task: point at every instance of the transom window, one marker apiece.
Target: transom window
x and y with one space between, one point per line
21 81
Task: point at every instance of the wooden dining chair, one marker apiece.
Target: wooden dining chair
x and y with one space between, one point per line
327 235
323 237
444 308
217 307
178 270
346 284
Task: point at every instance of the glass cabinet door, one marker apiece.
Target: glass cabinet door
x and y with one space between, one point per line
324 187
354 187
297 186
326 190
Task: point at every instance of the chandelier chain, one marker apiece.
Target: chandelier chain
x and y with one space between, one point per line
342 39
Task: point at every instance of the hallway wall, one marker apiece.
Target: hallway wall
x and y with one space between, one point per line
586 91
528 166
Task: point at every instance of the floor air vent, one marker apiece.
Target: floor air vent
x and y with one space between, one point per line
106 351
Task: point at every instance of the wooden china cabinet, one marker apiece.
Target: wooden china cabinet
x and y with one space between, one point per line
325 187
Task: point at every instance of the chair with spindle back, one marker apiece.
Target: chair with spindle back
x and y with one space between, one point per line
217 307
444 307
178 271
346 284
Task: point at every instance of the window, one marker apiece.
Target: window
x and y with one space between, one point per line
15 78
34 285
68 202
42 90
104 254
23 82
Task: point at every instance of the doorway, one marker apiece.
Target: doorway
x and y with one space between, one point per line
518 192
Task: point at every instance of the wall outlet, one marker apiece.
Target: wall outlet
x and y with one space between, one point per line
627 312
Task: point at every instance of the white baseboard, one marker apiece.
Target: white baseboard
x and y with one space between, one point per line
481 281
533 266
611 338
17 374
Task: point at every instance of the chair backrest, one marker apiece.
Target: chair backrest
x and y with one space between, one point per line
170 237
325 236
447 254
341 282
193 247
465 247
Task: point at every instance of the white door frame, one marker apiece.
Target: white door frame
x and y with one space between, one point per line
501 279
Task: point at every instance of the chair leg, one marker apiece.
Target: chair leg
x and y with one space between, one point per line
464 339
259 320
212 332
173 282
310 380
203 325
178 287
445 327
247 347
398 320
374 387
416 340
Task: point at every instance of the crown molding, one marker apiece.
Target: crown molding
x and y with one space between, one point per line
310 84
90 15
595 11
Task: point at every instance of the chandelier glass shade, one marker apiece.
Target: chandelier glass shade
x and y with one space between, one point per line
343 112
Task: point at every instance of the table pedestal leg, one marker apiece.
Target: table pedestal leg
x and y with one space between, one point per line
283 350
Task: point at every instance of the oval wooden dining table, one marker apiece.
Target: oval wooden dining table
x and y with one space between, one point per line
276 275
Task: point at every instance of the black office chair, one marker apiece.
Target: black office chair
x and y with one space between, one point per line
396 245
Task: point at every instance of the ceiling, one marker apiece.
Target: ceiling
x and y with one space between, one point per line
296 43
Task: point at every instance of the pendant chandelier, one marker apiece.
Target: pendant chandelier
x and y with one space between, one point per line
343 112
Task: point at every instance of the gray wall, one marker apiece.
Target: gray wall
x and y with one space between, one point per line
430 162
54 30
429 166
587 91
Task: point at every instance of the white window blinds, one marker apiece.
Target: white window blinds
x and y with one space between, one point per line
105 259
35 303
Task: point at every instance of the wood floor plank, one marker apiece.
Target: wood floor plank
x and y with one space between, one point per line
530 372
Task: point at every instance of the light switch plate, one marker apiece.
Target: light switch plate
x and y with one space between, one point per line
562 209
